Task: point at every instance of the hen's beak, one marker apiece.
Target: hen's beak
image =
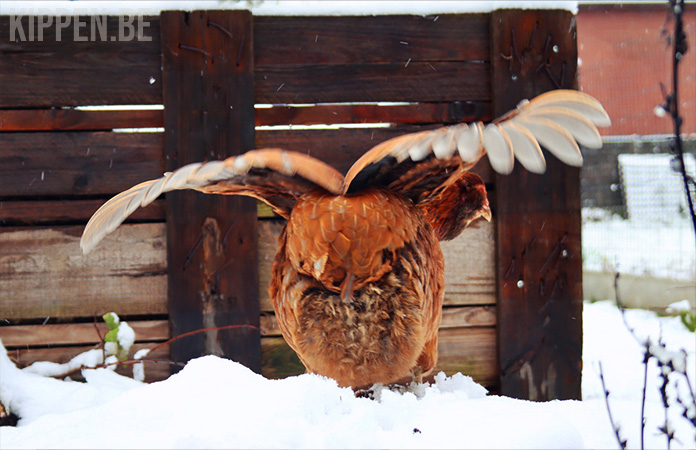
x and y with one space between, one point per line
486 213
486 210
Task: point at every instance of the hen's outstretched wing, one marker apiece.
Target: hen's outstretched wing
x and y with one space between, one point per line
413 163
274 176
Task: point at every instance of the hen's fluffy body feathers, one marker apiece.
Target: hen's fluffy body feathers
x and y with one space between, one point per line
381 243
357 283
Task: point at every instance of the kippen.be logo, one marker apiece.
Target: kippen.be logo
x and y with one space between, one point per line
78 28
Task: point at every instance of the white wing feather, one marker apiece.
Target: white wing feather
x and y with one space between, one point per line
554 120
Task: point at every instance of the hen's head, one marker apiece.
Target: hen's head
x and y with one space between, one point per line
457 206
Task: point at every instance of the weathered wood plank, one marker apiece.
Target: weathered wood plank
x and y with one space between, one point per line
67 212
471 351
70 119
469 264
77 163
153 371
342 40
77 333
77 119
211 240
468 316
289 40
539 260
384 82
403 55
77 79
415 113
44 274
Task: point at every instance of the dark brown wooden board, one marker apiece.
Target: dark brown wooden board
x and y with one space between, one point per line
441 59
416 113
101 163
374 82
78 120
77 163
91 120
62 78
538 220
211 240
65 212
353 39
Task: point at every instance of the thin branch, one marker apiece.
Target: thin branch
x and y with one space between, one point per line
642 403
201 330
679 49
622 442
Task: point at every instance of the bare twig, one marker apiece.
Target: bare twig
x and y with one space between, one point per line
202 330
679 48
642 403
617 433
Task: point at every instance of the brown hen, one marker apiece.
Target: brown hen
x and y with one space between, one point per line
358 280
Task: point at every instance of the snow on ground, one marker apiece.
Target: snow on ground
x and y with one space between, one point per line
217 403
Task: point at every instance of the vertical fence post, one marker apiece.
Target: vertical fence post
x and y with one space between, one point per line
539 260
208 92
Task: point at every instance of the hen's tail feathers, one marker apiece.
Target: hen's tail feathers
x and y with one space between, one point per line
272 175
554 120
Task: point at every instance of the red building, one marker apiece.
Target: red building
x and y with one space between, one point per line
625 54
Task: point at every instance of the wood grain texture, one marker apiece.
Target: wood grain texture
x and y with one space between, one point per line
77 333
67 212
350 39
63 78
539 260
71 119
416 113
77 119
44 274
406 58
77 163
211 240
384 82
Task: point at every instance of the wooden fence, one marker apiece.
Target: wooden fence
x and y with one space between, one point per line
229 82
